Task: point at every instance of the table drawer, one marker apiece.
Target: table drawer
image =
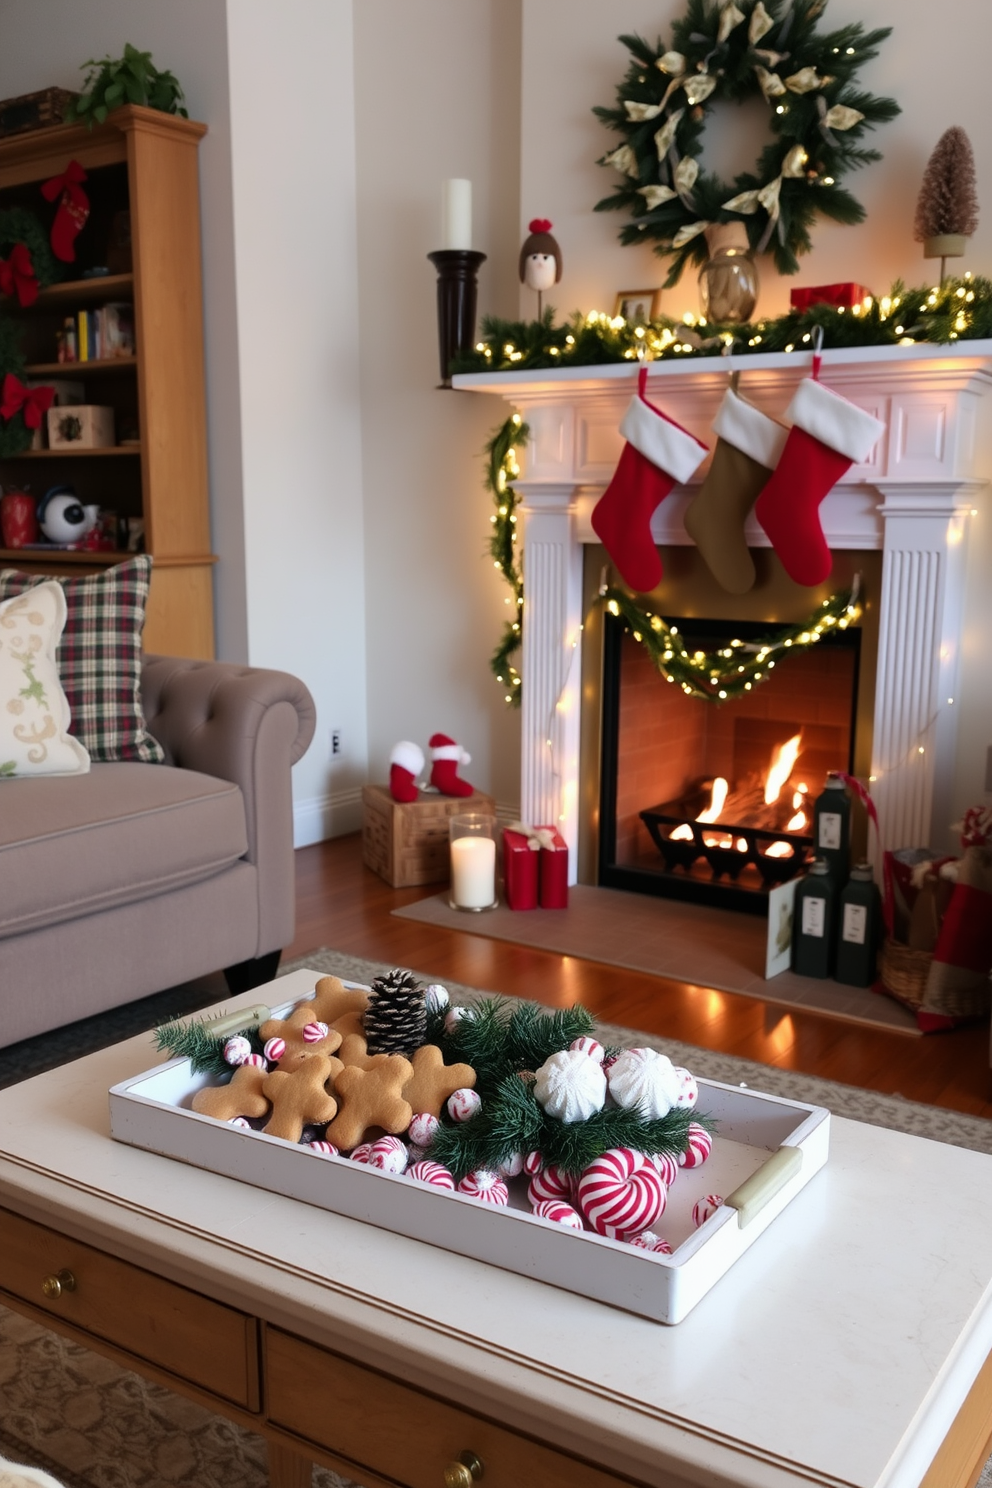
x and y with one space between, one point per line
204 1342
396 1431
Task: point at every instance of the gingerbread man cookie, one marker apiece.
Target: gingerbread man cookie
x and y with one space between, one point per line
241 1096
299 1097
301 1033
332 1000
371 1098
355 1050
433 1081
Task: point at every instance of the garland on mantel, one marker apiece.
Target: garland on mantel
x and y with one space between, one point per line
957 310
715 676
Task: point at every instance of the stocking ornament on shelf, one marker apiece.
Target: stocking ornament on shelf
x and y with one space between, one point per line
827 437
72 211
658 454
406 762
748 448
446 757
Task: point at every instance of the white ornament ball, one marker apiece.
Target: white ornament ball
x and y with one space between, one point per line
644 1081
389 1154
513 1165
422 1129
324 1149
486 1186
560 1212
237 1049
689 1093
589 1046
314 1032
463 1104
274 1049
703 1208
435 997
432 1173
457 1015
570 1086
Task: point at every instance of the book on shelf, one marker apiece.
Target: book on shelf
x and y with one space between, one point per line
99 335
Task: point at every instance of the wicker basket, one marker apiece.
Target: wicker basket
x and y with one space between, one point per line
904 972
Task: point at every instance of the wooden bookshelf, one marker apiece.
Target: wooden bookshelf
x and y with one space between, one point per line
144 162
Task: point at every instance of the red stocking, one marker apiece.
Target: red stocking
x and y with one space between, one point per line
658 453
827 437
72 212
446 756
405 763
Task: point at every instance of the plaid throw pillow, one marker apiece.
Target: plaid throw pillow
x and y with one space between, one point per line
99 657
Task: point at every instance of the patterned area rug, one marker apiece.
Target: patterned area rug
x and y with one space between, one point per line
94 1425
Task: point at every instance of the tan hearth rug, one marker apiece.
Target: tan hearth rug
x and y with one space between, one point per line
687 942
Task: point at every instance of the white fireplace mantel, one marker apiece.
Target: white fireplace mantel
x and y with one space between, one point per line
911 499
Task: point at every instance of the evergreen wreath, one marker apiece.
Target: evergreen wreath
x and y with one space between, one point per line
18 225
501 470
736 52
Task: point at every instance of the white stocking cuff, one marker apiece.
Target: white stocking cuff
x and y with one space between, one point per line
408 756
835 422
739 423
654 436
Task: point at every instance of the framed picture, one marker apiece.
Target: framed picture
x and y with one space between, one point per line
638 305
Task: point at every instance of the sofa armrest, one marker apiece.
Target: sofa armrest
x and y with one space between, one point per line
250 726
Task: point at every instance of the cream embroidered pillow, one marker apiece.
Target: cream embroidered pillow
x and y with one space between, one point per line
34 714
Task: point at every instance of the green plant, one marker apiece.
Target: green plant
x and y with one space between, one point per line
133 78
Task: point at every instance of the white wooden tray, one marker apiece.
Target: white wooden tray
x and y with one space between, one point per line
765 1150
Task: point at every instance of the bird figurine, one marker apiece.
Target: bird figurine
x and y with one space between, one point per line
540 260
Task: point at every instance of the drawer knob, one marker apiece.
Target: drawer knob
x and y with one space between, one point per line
464 1473
60 1281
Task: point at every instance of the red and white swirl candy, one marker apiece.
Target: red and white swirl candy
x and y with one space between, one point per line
486 1186
314 1032
550 1183
389 1154
699 1145
703 1208
241 1122
645 1081
665 1166
560 1212
689 1093
620 1194
650 1241
431 1172
237 1049
361 1153
422 1129
570 1086
324 1149
533 1163
256 1061
463 1104
590 1046
274 1049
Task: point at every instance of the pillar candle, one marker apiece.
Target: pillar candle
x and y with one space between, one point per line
473 872
456 214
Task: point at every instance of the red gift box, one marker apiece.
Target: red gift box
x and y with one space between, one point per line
520 870
847 295
554 872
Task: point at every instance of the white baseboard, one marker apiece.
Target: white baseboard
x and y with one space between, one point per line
340 812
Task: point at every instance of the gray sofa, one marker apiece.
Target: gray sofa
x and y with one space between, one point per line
136 877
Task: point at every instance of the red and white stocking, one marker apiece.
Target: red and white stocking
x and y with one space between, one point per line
72 212
405 763
658 455
446 756
827 437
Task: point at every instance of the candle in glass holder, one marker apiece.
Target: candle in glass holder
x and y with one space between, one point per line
473 861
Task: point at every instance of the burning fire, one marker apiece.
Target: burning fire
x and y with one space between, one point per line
784 758
781 766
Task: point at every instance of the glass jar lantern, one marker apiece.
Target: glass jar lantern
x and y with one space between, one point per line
472 838
728 281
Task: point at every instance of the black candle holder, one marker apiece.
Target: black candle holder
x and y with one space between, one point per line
457 291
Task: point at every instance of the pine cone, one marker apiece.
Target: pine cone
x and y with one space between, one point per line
396 1016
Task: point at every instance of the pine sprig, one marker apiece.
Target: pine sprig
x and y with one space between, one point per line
499 1039
203 1049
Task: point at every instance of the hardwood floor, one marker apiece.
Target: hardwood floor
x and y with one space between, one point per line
343 905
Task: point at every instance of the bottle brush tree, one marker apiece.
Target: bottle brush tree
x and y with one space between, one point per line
947 209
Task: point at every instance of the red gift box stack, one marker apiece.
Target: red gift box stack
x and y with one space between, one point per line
844 296
535 867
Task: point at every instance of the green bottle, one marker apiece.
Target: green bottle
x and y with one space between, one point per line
813 922
832 828
859 926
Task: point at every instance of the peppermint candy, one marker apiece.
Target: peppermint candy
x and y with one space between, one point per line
422 1129
361 1153
511 1166
256 1061
650 1241
463 1104
274 1049
665 1166
699 1145
589 1046
533 1163
237 1049
324 1149
560 1212
570 1086
689 1092
703 1208
455 1016
389 1154
620 1194
240 1121
645 1081
550 1183
314 1032
486 1186
432 1173
435 997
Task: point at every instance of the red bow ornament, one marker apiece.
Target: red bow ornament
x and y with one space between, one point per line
73 209
17 275
32 402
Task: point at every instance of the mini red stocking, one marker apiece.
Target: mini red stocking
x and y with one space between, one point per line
73 209
405 763
827 437
658 454
446 756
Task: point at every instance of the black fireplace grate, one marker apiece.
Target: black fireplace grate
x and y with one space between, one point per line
725 862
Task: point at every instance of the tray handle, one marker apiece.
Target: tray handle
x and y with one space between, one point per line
750 1197
240 1018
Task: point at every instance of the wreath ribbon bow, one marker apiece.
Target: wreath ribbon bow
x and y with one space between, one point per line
70 182
32 402
17 275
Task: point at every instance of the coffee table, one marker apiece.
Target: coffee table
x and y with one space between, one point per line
850 1346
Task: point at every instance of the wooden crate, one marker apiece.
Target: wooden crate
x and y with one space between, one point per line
407 843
